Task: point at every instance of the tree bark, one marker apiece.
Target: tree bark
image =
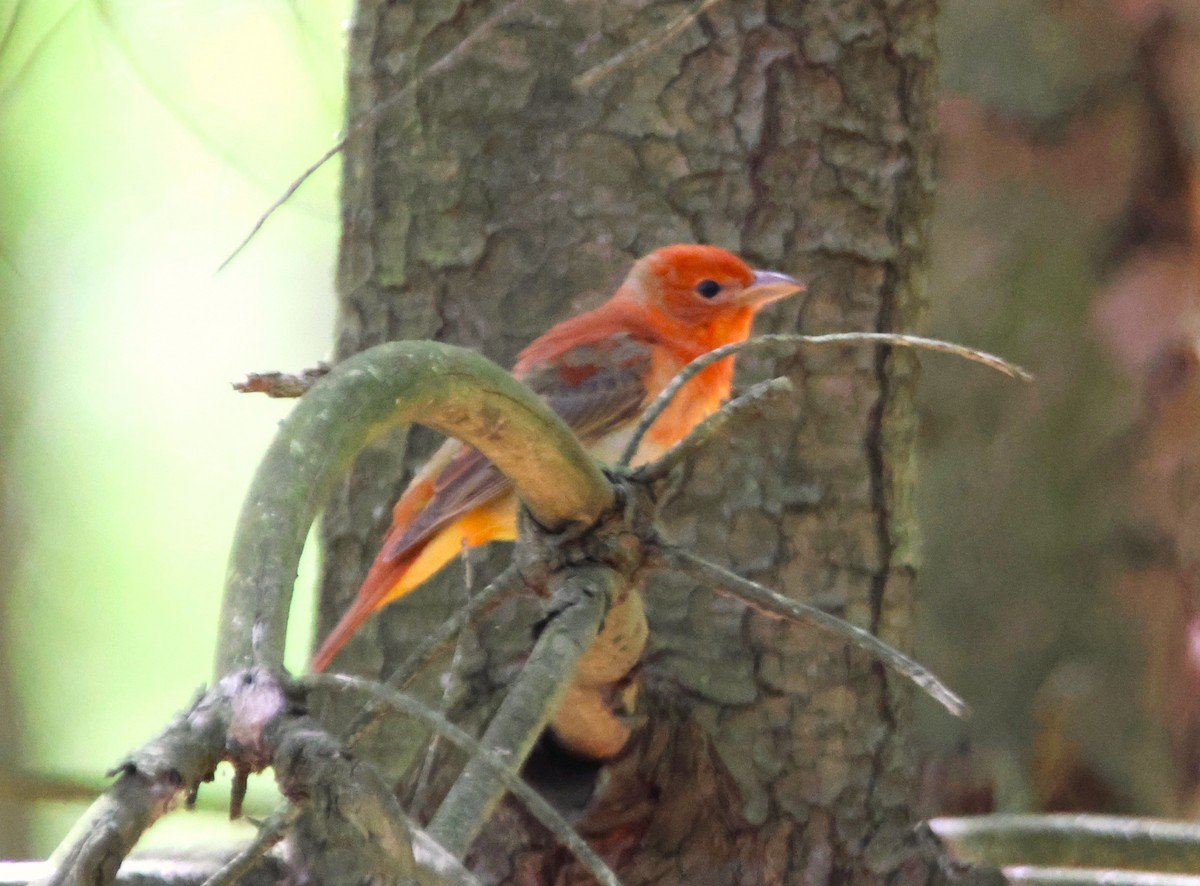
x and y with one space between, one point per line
495 200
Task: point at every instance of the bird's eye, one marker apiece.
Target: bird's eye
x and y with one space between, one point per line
708 288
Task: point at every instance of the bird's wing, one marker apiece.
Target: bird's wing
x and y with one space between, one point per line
594 388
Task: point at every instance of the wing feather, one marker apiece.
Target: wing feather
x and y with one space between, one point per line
595 388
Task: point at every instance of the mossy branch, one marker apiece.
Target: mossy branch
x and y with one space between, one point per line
449 389
385 698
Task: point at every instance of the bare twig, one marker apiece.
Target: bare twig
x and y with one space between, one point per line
768 602
834 338
434 858
528 706
442 64
281 385
595 74
160 869
755 398
504 583
271 832
507 582
55 787
450 680
1093 841
1028 875
498 765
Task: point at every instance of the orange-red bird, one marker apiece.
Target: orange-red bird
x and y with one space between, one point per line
599 371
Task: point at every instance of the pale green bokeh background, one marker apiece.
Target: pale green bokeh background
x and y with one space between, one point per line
139 141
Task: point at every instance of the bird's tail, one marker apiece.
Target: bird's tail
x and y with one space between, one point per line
385 581
394 574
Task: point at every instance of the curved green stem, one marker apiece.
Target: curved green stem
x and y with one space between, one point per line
449 389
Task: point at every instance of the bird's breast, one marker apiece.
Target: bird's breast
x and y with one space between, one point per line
696 400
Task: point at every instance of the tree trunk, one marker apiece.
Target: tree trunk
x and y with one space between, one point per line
495 200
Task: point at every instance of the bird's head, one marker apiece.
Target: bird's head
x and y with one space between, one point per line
706 286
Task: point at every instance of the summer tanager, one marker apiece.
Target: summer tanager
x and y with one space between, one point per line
599 371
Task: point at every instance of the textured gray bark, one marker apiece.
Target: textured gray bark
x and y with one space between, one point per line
497 201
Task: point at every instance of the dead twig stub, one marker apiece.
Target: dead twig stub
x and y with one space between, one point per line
281 385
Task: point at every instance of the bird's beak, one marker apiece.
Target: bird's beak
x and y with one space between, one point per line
769 286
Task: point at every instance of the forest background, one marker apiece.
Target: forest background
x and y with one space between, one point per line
139 142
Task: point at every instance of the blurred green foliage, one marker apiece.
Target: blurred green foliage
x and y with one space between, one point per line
138 144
